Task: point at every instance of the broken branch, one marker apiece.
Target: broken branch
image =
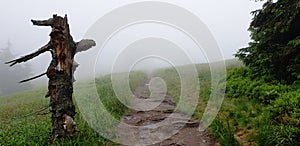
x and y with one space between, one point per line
48 22
32 78
30 56
84 45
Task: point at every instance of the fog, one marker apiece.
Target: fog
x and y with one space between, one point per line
227 20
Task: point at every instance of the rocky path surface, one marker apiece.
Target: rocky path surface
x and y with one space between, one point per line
156 122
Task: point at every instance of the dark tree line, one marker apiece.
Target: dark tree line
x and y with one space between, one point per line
10 77
275 49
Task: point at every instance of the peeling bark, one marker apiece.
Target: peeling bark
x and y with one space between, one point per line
60 77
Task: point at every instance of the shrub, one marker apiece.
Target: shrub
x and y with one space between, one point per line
241 84
237 78
281 122
286 109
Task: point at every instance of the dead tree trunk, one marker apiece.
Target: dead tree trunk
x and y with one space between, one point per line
60 73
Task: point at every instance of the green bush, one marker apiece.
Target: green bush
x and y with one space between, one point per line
265 93
286 108
281 119
237 78
285 113
241 84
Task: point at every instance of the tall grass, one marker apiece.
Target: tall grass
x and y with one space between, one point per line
221 128
15 129
223 132
253 112
267 107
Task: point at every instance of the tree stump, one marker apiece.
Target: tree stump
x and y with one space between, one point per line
60 73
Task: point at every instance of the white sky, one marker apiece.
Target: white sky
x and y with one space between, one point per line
228 20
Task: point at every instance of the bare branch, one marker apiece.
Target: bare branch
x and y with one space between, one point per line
23 81
30 56
48 22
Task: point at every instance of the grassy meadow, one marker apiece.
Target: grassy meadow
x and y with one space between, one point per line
19 128
254 112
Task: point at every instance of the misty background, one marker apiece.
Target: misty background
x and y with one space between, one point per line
227 20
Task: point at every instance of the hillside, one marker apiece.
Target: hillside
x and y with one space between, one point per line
254 112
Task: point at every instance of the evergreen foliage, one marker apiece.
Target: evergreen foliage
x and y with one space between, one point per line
275 49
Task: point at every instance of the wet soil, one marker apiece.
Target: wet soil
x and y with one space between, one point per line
155 121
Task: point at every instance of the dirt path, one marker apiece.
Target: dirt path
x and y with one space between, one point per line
155 122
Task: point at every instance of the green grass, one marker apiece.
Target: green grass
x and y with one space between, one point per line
261 111
221 130
35 130
238 116
252 113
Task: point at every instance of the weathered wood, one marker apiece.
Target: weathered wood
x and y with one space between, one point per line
30 56
35 77
84 45
60 78
48 22
60 73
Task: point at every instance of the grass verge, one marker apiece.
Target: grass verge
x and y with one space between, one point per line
15 129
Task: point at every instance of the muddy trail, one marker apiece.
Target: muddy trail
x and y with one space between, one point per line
156 122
